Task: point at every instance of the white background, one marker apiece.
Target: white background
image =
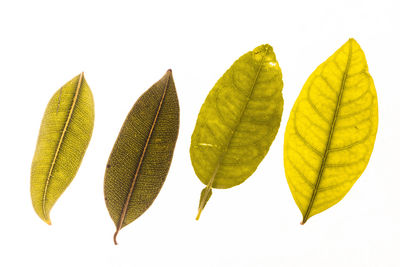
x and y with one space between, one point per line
126 46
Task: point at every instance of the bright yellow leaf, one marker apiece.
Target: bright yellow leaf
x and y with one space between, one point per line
331 131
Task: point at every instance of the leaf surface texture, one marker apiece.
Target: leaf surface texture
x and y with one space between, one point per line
331 131
142 153
64 135
238 121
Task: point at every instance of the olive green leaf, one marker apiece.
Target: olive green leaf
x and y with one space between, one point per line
142 153
237 122
331 131
64 135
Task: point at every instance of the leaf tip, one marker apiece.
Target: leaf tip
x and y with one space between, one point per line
46 218
264 48
168 73
265 53
352 41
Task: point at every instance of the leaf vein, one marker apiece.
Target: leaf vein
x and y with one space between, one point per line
328 143
60 142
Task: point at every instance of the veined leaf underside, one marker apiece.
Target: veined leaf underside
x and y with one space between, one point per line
141 157
237 122
64 135
128 197
331 132
60 143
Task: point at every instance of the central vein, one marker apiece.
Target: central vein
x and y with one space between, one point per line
128 198
60 142
328 143
221 157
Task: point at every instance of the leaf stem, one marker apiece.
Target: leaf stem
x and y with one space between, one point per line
115 237
206 193
205 196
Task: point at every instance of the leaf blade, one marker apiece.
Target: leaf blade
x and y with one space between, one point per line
238 121
59 150
335 115
141 157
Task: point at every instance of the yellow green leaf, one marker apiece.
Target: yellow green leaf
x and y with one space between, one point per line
237 122
64 135
331 131
142 154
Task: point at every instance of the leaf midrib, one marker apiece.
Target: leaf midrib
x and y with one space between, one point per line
60 142
221 157
128 198
328 143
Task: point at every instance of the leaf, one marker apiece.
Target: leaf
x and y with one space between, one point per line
64 135
331 131
237 122
142 154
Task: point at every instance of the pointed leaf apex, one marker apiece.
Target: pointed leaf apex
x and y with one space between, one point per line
168 73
